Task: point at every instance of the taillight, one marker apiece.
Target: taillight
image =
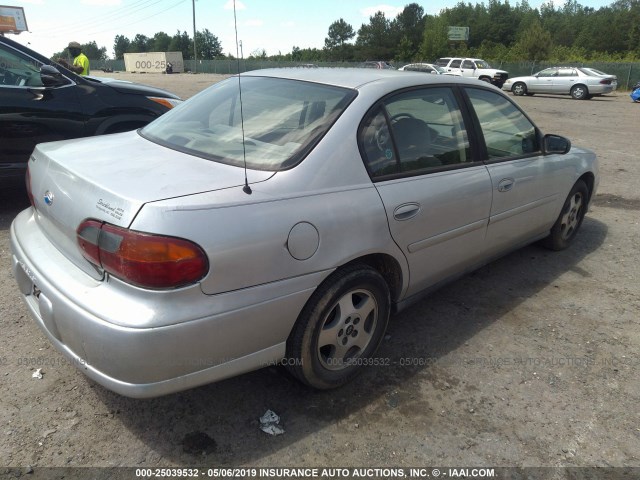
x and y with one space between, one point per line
606 81
27 179
142 259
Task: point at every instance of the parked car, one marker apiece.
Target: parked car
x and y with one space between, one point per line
287 229
423 67
473 68
579 82
41 101
379 65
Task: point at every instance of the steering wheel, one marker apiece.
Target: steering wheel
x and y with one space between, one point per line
398 116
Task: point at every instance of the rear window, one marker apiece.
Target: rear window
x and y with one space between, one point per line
591 71
283 120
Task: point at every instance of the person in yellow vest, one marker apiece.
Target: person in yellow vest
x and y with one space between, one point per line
80 60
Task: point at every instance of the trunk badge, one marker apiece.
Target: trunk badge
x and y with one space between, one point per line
48 198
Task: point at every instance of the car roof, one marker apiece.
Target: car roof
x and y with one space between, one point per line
357 77
418 64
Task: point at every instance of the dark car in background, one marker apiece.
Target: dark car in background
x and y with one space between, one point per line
41 101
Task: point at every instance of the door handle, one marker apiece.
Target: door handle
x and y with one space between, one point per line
506 184
406 211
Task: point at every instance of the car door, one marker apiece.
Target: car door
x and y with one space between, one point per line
542 82
565 80
526 184
31 113
437 197
468 69
454 66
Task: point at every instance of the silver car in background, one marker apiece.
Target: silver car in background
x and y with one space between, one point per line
285 223
580 82
424 68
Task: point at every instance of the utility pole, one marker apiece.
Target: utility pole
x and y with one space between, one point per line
195 53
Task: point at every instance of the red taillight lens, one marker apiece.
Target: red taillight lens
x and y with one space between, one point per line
27 179
142 259
606 81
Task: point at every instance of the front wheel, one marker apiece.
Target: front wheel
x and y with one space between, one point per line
564 231
580 92
340 328
519 89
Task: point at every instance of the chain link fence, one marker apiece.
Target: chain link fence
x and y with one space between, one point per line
628 73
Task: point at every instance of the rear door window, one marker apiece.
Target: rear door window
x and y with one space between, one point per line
415 132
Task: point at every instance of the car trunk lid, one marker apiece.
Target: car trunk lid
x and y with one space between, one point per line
110 180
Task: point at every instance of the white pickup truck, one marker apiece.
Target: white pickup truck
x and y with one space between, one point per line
473 68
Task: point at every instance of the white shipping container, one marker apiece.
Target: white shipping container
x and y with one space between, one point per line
153 62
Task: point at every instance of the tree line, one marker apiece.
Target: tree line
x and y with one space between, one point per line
498 30
207 44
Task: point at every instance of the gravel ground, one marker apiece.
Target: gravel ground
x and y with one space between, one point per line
532 360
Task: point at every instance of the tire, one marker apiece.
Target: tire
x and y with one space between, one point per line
580 92
564 231
485 79
340 327
519 89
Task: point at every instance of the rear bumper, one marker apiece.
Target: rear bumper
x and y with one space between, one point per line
127 340
600 89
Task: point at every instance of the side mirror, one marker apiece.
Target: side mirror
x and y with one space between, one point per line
555 144
51 77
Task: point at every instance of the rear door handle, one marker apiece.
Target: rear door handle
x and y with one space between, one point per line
406 211
506 184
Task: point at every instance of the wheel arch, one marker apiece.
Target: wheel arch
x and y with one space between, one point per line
583 85
589 179
388 267
520 82
122 123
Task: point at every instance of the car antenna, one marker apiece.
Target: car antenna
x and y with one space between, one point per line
246 189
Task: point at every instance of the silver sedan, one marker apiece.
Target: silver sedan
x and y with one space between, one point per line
280 217
580 83
424 68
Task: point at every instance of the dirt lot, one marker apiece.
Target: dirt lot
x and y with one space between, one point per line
533 360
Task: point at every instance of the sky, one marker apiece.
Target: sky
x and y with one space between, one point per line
273 25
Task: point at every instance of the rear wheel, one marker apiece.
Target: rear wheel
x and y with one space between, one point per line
340 328
580 92
519 89
564 231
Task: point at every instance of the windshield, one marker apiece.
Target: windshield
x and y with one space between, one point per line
282 120
482 64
